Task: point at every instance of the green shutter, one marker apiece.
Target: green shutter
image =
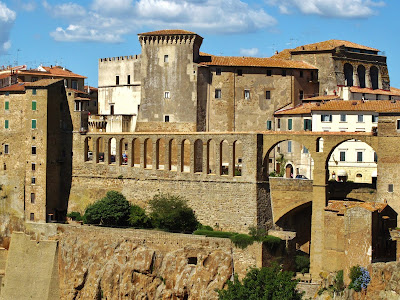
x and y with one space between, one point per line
6 125
305 124
6 105
33 105
269 125
290 125
33 124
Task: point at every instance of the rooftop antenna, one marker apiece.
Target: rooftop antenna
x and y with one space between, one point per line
18 51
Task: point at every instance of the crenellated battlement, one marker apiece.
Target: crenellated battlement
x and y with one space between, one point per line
169 39
118 58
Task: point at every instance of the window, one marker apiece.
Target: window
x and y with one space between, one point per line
279 124
167 95
6 105
247 94
218 94
301 73
289 146
398 124
6 149
165 58
268 95
6 124
375 157
301 95
33 91
239 72
33 150
305 150
290 124
33 198
269 72
342 156
166 119
390 188
117 80
33 180
129 79
360 118
32 217
78 105
342 118
359 175
269 125
283 73
307 124
74 84
33 166
359 156
33 124
218 71
374 118
326 118
111 109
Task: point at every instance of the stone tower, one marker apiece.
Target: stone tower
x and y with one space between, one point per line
169 80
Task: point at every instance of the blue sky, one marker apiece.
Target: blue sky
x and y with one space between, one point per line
75 34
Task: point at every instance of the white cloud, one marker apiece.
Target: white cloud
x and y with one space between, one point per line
27 5
249 52
109 20
7 18
330 8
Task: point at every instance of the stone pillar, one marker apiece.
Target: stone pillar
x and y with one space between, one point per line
179 160
96 150
107 151
318 217
231 160
367 78
205 158
218 158
167 161
130 153
356 81
192 157
118 152
155 155
142 154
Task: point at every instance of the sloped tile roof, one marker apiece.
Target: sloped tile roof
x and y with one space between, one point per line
393 91
167 32
322 46
55 71
8 74
357 105
15 87
301 109
21 86
239 61
321 98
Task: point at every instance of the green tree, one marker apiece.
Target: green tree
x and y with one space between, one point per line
266 284
112 210
138 217
172 213
281 160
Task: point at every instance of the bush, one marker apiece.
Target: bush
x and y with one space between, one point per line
264 283
138 217
172 213
205 227
112 210
359 278
302 263
242 240
75 216
211 233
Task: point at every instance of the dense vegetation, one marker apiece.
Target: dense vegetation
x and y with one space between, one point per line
264 283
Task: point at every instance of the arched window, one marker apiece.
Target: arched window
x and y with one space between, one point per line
237 158
374 78
185 156
348 74
224 158
112 150
361 75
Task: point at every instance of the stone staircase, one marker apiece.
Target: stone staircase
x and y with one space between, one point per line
3 260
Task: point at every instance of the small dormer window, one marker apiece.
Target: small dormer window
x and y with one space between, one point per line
165 58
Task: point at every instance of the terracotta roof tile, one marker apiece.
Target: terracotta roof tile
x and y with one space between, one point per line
55 71
321 98
239 61
393 91
357 105
2 76
42 83
301 109
15 87
167 32
322 46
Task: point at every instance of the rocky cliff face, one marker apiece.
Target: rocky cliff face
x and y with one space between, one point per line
125 264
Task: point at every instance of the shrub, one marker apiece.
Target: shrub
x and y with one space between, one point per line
211 233
264 283
258 233
75 216
359 278
338 285
112 210
138 217
172 213
205 227
302 263
242 240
